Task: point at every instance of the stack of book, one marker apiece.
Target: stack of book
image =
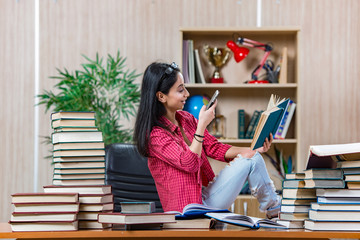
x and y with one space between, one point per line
78 149
45 212
79 165
192 69
337 208
136 216
93 200
295 201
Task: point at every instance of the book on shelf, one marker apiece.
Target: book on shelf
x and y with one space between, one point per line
76 129
185 61
295 208
196 210
44 197
191 61
333 215
339 206
323 173
44 226
294 175
73 123
72 115
324 183
331 225
338 200
299 193
78 152
137 207
46 207
293 183
243 220
79 165
89 181
251 124
136 218
198 69
96 207
82 136
285 121
241 123
293 216
93 224
327 156
351 171
295 201
79 145
340 192
252 133
291 224
82 176
198 223
79 170
90 189
269 120
43 216
96 198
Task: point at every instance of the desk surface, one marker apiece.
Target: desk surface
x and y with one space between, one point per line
5 232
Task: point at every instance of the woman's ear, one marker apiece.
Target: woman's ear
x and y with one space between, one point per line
161 97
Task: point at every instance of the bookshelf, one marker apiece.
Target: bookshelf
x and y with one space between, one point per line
235 94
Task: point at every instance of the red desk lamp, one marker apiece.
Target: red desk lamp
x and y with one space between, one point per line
241 52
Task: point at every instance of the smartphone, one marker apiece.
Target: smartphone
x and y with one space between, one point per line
212 100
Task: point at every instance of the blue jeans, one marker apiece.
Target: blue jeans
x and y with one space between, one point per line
223 190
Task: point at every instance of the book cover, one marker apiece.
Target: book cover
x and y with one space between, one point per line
323 173
63 137
46 207
44 197
78 153
196 210
120 218
73 115
96 198
243 220
79 165
185 62
324 183
137 207
96 207
343 204
314 225
269 120
295 208
241 123
191 61
198 69
278 134
63 182
57 123
79 145
43 216
334 215
79 171
90 189
291 224
44 226
340 192
288 119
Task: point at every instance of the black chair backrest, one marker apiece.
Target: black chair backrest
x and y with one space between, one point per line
128 174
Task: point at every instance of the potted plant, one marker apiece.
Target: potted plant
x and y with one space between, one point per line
108 89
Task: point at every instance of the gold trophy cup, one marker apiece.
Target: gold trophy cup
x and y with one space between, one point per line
217 57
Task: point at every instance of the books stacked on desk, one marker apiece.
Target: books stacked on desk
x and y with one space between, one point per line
45 212
336 208
93 200
295 201
78 149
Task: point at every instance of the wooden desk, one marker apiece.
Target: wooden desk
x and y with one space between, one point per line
5 232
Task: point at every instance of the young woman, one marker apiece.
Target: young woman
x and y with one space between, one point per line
177 146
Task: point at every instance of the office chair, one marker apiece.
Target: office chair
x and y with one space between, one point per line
128 174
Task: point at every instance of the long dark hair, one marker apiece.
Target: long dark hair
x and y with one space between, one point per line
157 77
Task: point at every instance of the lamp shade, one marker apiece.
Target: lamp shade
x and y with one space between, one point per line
239 52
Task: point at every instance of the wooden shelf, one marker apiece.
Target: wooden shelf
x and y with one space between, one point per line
239 86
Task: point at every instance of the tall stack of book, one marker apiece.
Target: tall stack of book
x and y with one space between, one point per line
79 164
45 212
337 208
78 149
295 201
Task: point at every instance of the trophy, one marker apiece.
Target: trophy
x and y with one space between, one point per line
217 57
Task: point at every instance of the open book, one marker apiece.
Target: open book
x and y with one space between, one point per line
195 210
326 156
243 220
269 121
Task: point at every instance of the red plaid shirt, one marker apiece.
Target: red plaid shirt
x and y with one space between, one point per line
178 172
